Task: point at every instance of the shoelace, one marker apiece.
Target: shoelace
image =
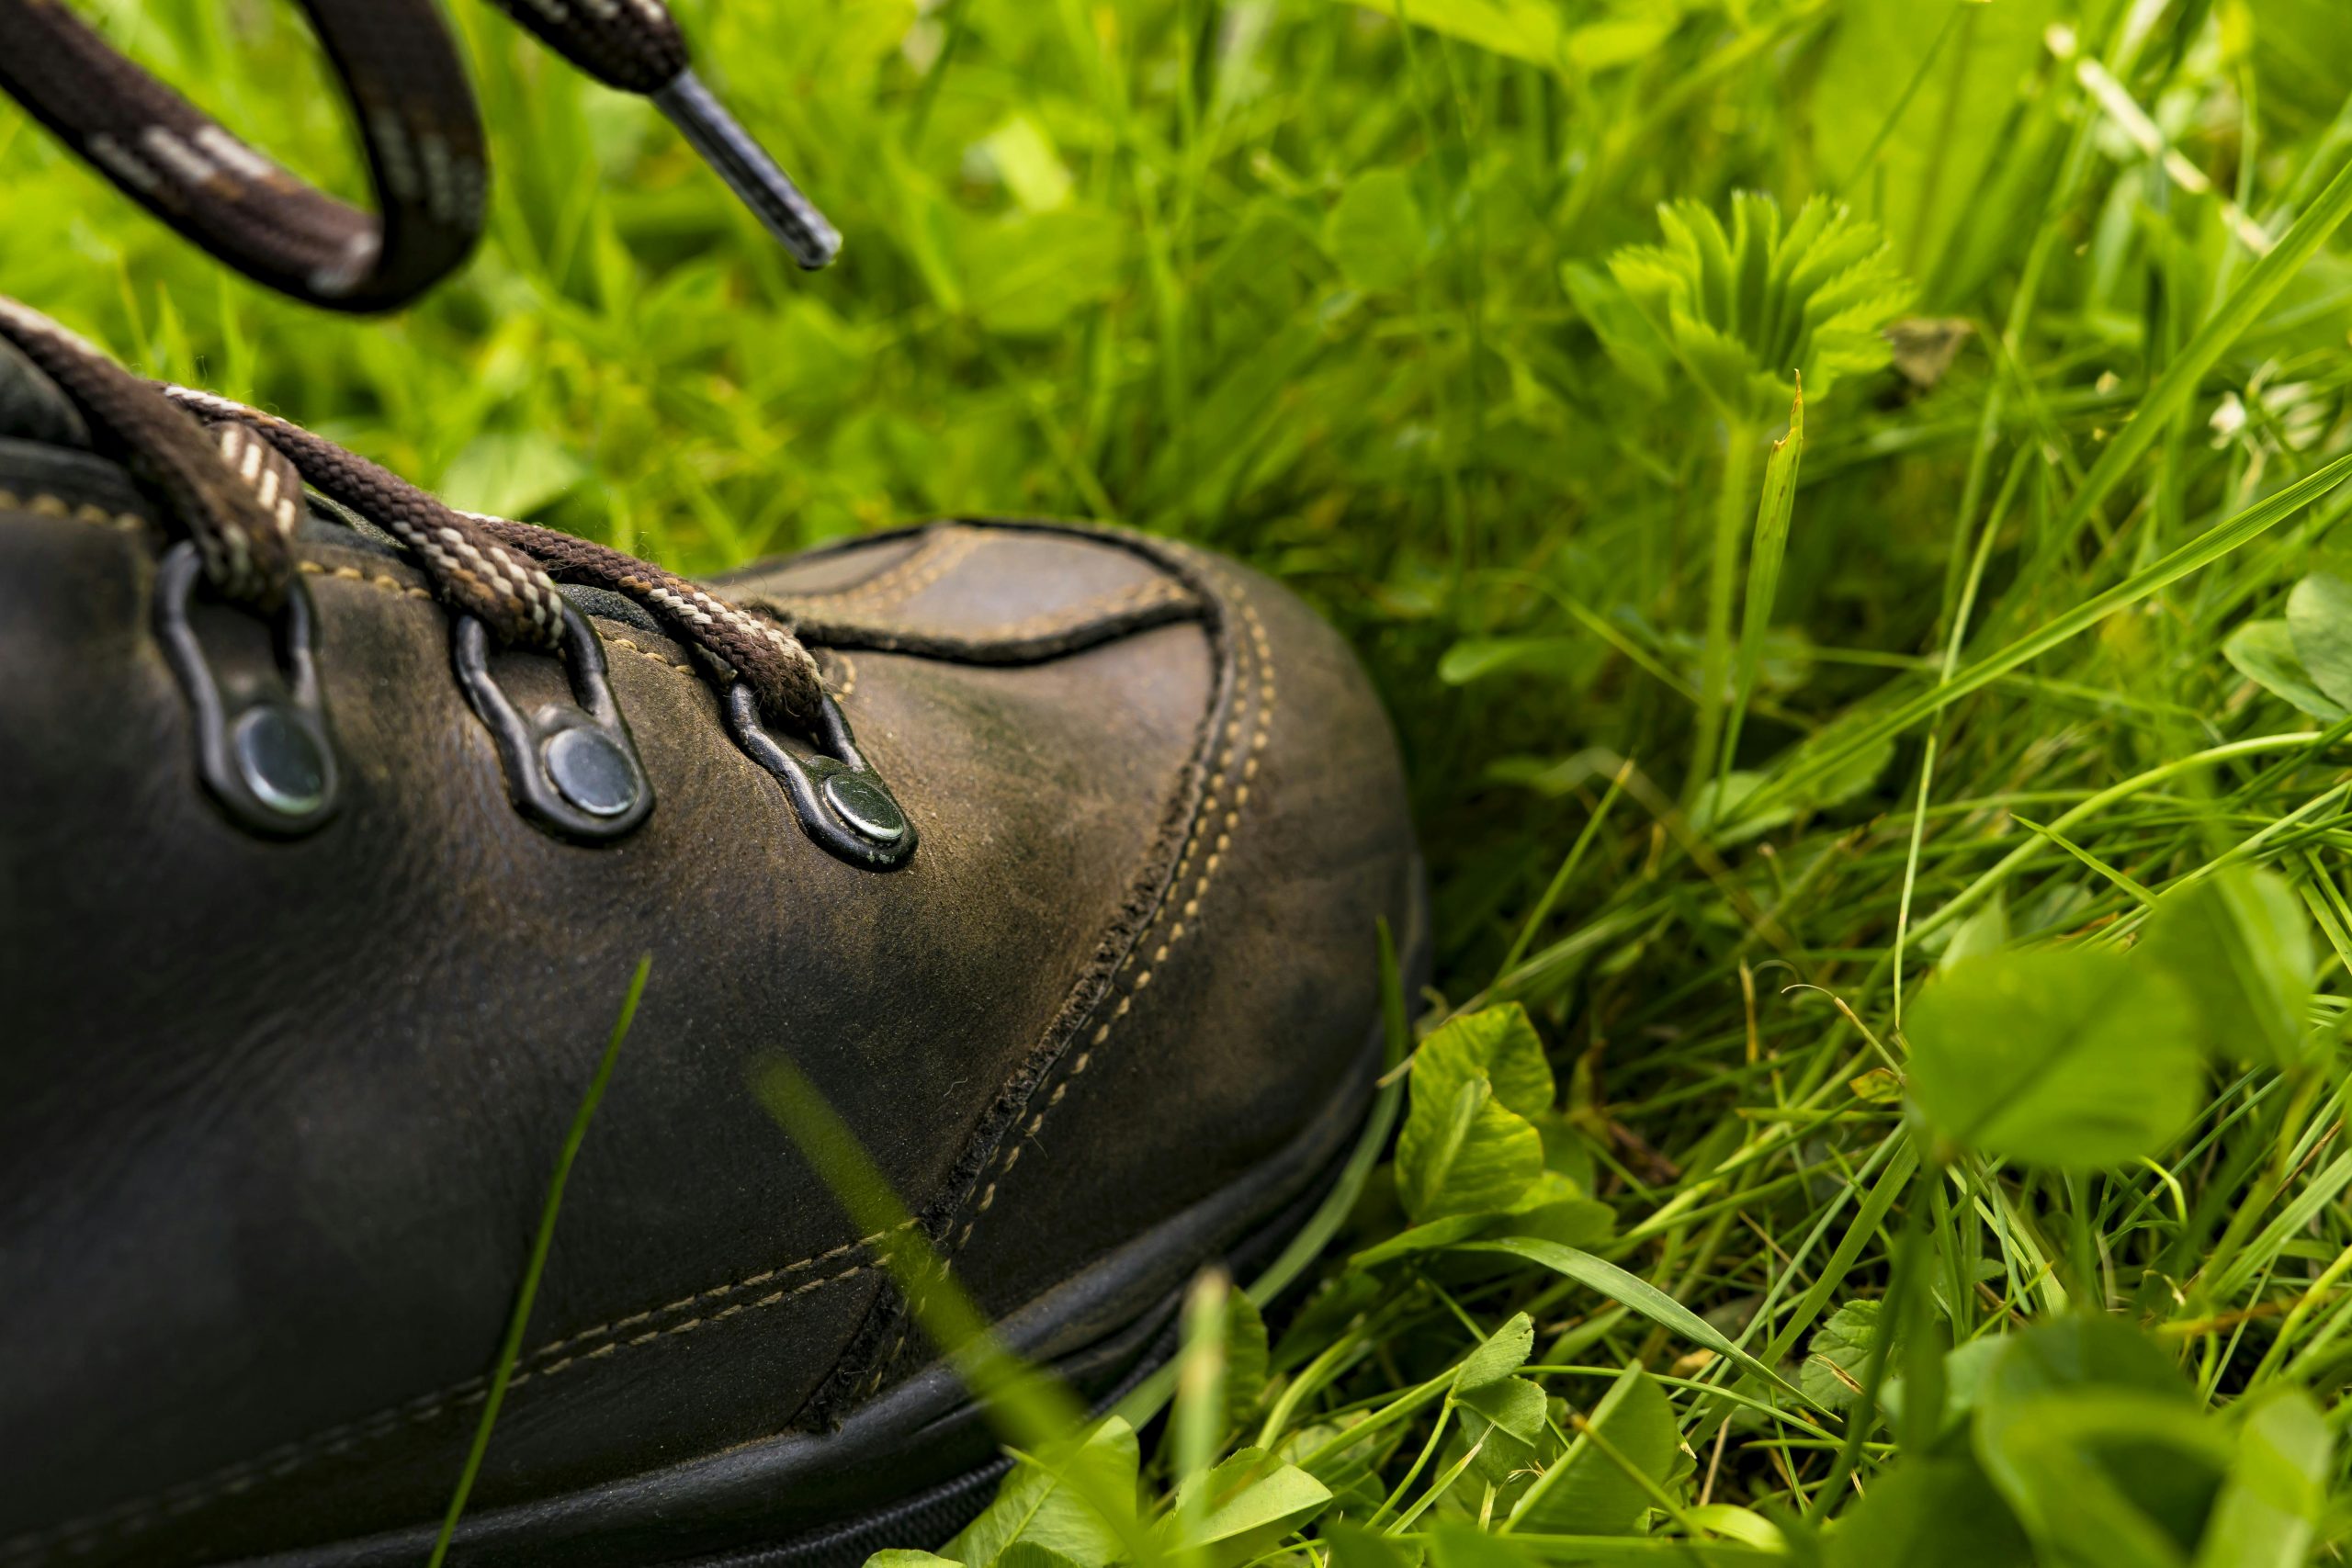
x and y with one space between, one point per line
427 156
233 480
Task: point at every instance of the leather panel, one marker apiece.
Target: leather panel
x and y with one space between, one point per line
276 1117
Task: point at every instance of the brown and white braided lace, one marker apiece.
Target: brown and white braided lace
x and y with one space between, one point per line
232 477
232 500
503 570
415 113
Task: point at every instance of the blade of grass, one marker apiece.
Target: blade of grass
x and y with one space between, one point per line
1026 1402
510 1349
2199 553
2262 284
1631 1290
1766 552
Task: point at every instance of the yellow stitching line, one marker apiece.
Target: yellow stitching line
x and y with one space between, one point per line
137 1514
930 561
43 504
1265 669
662 658
1263 666
353 574
1136 596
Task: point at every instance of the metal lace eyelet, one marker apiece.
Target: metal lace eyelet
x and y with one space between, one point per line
572 767
842 803
262 747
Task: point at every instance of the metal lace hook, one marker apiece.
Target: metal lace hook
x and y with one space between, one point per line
571 767
263 750
843 804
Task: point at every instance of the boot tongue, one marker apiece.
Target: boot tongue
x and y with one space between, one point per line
31 407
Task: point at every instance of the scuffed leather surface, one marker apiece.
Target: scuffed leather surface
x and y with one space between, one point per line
276 1119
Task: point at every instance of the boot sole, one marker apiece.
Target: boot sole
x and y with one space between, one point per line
809 1499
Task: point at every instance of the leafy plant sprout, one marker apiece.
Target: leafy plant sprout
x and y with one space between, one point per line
1748 316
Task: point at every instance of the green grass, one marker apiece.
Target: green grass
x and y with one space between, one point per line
1930 905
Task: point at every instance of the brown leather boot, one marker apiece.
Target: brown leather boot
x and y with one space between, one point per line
331 831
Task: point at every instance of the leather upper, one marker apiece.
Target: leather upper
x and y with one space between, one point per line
276 1117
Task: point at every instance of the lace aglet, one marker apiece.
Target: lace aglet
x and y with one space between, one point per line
748 169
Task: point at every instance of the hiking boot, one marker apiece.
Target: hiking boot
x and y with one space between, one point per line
332 825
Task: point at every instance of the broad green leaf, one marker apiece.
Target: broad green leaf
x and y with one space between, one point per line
1523 29
1840 1358
1570 1222
1491 1397
1352 1546
2089 1350
2272 1504
1253 1500
1878 1087
2094 1438
511 474
1586 1491
907 1557
1027 160
1514 1404
1499 1043
2319 621
1024 274
1375 233
1625 38
1986 931
1934 1513
2104 1478
1029 1554
1566 1152
1505 1351
2241 945
1640 1295
1526 1548
1965 1369
1912 149
1453 1545
2072 1058
1468 1145
1037 1506
1742 1525
1463 1155
2263 652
